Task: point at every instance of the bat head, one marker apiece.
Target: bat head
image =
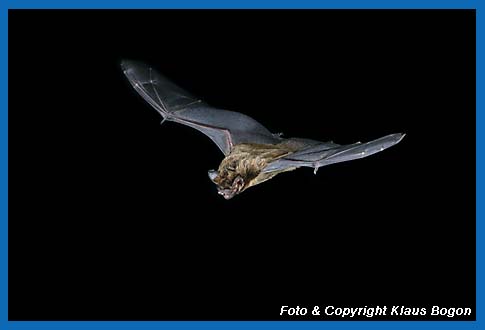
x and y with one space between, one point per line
243 168
227 186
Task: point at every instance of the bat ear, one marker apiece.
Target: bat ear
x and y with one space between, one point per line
213 175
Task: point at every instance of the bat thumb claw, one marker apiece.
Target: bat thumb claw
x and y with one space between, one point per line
278 135
315 170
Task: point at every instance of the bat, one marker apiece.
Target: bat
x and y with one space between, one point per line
252 153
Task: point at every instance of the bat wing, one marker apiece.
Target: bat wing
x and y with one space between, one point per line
317 154
224 128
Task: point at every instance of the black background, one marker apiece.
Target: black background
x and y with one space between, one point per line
113 217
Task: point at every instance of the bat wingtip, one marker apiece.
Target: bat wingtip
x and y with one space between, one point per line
400 136
124 64
394 138
128 64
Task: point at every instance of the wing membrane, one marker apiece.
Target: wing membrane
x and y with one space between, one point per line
224 128
318 155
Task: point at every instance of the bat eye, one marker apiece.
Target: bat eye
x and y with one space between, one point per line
213 175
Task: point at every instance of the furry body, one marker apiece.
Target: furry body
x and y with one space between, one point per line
247 161
252 153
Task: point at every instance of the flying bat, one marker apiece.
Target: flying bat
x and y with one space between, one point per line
252 153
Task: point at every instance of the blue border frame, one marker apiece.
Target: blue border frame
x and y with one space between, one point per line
236 4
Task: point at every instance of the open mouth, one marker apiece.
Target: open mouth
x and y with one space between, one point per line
237 186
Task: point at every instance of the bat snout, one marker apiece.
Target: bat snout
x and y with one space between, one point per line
236 187
226 193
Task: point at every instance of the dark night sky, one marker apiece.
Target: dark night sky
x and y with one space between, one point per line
112 216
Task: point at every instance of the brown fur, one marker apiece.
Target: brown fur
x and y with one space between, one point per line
247 161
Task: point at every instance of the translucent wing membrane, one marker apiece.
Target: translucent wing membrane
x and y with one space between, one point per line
157 90
224 128
322 154
229 128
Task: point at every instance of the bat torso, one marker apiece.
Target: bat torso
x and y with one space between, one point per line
253 153
247 160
